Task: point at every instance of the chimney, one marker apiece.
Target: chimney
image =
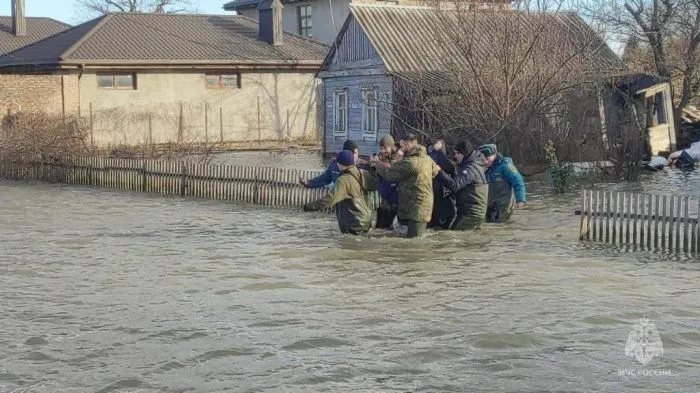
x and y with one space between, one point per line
270 22
19 22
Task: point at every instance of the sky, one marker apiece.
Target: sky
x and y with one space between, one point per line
66 11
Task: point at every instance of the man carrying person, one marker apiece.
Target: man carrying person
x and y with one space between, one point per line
414 174
469 186
506 185
349 196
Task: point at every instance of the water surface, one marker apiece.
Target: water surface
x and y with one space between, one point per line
107 291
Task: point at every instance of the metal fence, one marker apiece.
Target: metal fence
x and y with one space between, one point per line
645 221
277 187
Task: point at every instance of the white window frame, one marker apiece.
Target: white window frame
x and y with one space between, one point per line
340 126
370 118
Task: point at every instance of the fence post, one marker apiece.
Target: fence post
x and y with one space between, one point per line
144 179
206 124
92 132
583 228
180 125
183 178
259 127
221 124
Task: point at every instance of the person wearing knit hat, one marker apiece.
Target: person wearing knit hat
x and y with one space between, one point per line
469 187
331 174
506 185
388 191
349 196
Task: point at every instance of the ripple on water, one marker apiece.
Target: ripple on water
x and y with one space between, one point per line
314 343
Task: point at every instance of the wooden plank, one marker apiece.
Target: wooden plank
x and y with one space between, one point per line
670 224
627 200
649 224
677 240
608 199
634 223
615 202
595 219
643 210
696 230
656 221
686 225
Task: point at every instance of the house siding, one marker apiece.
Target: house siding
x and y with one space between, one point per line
176 106
354 47
326 21
354 86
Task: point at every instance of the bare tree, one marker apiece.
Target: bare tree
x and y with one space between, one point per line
158 6
666 34
516 78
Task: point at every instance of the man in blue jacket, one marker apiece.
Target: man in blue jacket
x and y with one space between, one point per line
332 173
506 185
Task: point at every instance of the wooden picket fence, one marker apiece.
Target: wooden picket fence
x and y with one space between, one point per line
276 187
644 221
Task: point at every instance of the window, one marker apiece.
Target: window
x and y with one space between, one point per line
222 81
304 18
340 113
116 81
369 114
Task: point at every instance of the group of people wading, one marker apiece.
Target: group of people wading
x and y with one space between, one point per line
420 186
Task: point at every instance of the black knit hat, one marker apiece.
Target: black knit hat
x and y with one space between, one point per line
350 145
464 148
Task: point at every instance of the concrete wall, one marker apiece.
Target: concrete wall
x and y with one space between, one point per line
287 102
52 93
325 24
354 86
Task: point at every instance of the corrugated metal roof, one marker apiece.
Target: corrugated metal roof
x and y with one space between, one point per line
419 39
146 39
247 4
37 30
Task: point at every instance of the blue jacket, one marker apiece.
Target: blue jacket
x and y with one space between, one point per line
327 178
503 177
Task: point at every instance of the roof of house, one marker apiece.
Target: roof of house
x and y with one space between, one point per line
247 4
37 30
423 41
163 39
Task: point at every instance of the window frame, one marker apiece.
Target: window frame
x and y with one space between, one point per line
305 31
221 76
337 131
114 76
370 114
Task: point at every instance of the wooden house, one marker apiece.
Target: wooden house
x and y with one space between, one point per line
386 57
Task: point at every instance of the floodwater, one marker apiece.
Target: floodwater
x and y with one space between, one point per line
106 291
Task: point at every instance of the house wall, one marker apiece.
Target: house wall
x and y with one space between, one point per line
354 85
356 66
52 93
172 106
325 24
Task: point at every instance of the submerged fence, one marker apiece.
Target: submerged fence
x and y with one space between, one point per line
645 221
277 187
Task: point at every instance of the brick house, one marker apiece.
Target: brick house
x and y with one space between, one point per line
18 31
152 77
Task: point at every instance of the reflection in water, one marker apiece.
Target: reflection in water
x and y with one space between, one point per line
105 292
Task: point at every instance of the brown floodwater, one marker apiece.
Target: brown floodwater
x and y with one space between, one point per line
106 291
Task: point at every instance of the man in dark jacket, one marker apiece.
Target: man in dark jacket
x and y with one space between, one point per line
414 173
331 174
469 186
506 185
443 205
349 196
389 192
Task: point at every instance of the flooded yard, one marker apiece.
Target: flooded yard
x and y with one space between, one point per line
106 291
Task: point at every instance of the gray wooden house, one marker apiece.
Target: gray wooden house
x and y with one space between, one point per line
386 57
